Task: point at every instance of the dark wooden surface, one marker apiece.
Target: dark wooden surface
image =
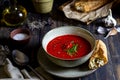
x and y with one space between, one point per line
56 18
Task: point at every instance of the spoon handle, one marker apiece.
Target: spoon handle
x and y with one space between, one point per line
26 74
40 77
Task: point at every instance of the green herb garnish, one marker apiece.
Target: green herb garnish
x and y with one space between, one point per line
72 48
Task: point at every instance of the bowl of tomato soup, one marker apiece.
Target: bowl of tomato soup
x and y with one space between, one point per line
68 46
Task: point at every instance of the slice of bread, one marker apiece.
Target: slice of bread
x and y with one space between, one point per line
89 5
99 57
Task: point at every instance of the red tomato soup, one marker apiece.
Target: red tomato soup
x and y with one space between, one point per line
68 47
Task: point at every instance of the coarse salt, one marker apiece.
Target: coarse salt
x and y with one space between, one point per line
20 36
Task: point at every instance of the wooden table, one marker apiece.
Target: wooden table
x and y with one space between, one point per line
56 18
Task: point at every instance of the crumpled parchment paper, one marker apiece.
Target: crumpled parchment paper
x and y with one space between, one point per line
86 17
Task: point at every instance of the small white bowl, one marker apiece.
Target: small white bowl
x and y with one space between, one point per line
64 30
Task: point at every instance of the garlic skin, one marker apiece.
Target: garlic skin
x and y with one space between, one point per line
109 20
101 30
118 29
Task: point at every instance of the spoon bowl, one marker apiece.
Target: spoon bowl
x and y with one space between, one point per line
21 59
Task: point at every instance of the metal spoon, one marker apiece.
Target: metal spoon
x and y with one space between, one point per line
21 59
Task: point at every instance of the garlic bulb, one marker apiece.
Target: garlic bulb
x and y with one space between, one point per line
109 20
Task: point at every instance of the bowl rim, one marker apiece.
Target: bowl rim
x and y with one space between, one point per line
91 51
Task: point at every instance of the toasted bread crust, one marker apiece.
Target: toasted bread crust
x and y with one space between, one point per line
89 5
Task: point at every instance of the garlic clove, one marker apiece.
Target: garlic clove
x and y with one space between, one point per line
101 30
113 31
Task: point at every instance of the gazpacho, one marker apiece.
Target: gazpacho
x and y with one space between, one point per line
68 47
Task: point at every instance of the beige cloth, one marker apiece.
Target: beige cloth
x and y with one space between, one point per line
86 17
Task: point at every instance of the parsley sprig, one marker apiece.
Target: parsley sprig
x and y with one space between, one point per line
72 48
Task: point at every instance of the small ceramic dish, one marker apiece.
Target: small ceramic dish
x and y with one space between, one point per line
20 35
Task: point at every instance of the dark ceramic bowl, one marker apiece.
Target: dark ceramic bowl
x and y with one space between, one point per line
20 36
